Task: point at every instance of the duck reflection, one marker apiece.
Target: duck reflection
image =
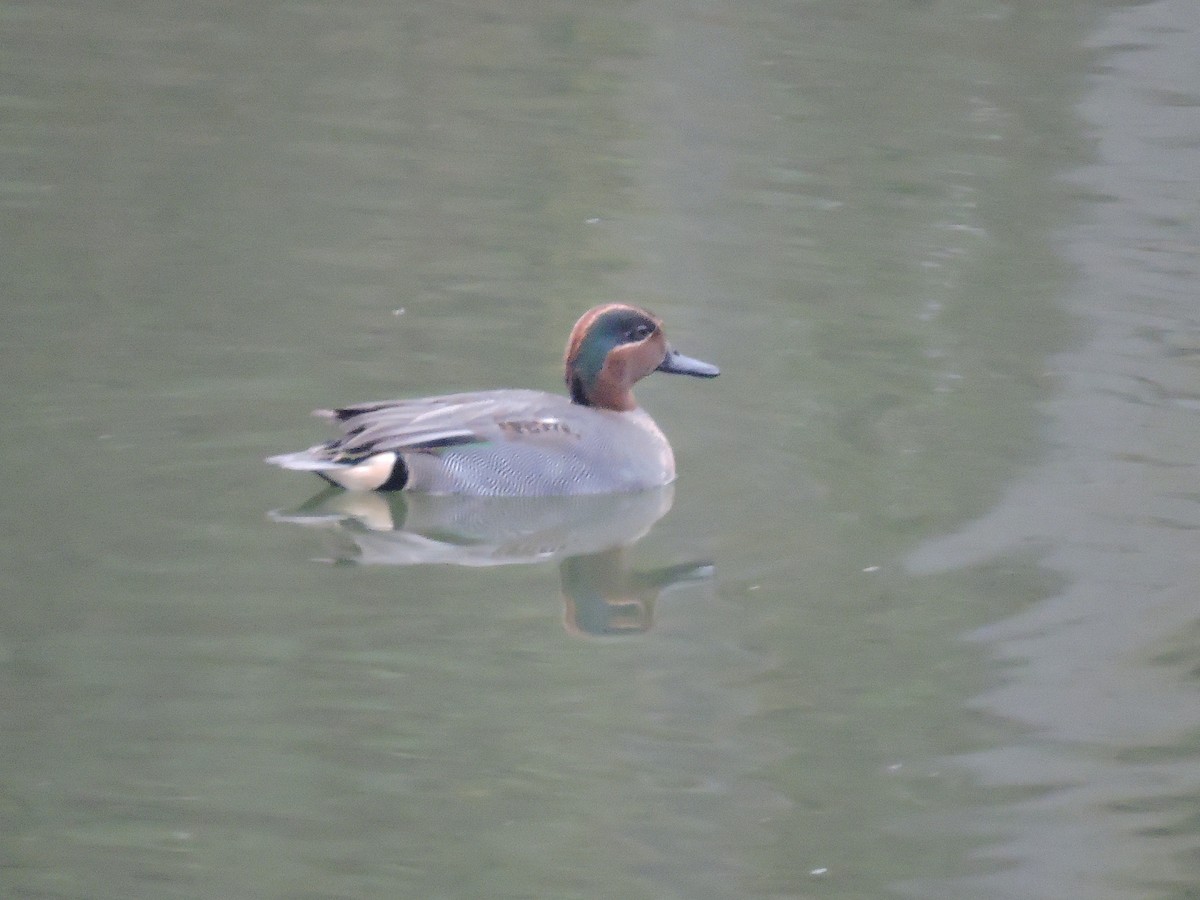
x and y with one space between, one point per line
588 537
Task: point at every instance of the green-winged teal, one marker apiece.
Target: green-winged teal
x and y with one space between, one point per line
519 443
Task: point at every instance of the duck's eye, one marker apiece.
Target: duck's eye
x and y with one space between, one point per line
639 332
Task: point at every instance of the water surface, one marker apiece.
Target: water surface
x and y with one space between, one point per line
917 619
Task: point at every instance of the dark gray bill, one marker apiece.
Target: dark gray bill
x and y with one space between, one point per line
678 364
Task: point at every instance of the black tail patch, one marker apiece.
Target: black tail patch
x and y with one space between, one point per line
399 477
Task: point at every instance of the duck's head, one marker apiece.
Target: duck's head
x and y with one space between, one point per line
612 347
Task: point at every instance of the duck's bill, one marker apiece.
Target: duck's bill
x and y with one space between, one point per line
678 364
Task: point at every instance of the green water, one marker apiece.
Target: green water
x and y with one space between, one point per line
918 618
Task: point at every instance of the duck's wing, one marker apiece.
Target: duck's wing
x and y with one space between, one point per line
374 434
434 423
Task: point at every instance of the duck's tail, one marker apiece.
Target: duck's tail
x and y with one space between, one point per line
378 472
314 459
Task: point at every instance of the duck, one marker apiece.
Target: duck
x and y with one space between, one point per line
594 439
